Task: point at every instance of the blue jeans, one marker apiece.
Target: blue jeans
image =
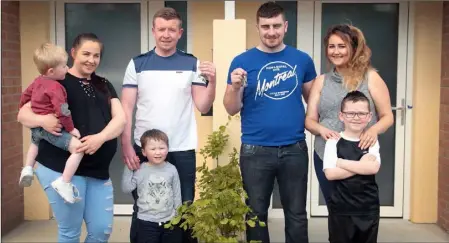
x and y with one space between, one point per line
185 163
260 166
95 208
325 185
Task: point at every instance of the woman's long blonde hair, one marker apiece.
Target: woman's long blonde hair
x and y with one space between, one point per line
360 54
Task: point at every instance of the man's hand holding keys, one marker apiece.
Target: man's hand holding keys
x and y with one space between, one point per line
238 78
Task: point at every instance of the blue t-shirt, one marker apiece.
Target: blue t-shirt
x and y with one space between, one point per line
273 112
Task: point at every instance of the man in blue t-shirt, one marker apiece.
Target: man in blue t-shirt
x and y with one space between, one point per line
266 85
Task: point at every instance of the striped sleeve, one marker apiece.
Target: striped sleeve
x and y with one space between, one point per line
130 78
198 78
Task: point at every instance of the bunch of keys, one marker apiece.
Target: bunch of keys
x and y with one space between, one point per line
203 78
245 81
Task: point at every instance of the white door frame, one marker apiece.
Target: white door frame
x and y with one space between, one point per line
385 211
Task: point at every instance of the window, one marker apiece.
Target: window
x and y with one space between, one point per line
291 14
181 8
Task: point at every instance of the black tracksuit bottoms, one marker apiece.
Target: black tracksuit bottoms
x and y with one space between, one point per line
353 228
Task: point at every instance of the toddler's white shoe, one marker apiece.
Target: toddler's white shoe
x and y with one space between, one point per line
26 176
66 190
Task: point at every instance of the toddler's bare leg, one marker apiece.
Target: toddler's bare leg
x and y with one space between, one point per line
31 155
74 160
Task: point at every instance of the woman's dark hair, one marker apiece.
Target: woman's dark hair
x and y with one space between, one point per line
100 83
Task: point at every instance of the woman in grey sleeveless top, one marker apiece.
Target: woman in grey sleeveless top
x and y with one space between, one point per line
347 51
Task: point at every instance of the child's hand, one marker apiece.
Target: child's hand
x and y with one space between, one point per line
75 133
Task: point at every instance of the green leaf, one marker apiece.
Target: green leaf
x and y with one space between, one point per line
176 220
224 221
233 223
251 223
262 224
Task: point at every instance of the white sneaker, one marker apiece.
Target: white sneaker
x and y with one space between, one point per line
66 190
26 176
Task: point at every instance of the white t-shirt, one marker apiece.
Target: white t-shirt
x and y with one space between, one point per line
164 96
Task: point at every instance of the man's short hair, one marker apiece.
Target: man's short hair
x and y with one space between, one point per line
355 96
48 56
153 134
168 14
269 9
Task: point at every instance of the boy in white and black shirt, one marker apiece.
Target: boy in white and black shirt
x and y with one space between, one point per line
158 188
354 204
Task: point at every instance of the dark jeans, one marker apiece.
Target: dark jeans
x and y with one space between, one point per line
325 185
185 163
150 232
260 166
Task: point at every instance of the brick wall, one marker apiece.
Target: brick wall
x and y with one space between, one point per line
443 168
11 130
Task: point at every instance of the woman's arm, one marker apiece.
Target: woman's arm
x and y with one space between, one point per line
312 115
117 123
312 106
29 119
381 98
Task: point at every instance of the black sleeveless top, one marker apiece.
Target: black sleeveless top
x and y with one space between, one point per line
91 112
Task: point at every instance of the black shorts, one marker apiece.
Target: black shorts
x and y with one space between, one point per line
353 229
